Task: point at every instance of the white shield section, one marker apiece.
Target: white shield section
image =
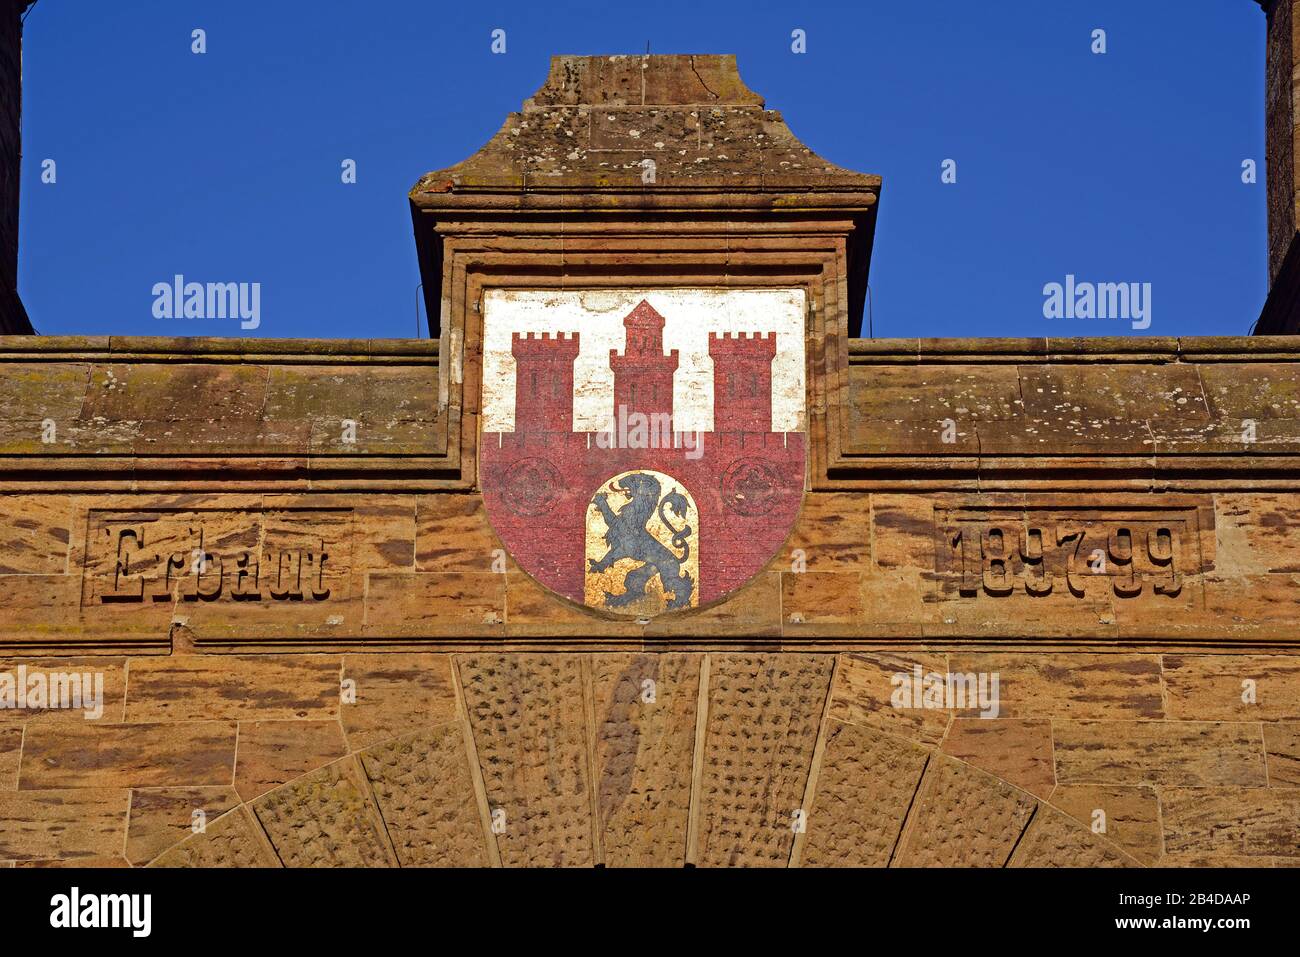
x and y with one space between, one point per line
689 316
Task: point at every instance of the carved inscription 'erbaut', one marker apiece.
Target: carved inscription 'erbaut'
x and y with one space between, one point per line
210 555
1080 552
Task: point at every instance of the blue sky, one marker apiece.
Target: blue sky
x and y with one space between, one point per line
1123 167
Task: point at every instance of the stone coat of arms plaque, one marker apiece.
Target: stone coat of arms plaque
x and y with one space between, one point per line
643 451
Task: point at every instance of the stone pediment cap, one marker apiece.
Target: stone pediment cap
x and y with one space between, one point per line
599 123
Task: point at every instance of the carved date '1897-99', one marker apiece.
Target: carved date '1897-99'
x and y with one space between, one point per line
1076 555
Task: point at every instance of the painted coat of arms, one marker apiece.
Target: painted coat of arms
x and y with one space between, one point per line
643 451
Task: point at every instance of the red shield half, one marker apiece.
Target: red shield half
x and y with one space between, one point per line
643 452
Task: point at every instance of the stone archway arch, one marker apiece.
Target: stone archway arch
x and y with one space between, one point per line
700 775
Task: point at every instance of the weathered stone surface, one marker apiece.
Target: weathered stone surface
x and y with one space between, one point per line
35 534
1256 532
963 818
163 817
1174 754
76 862
44 611
326 819
69 755
1232 687
1018 750
272 753
534 610
825 602
96 685
385 533
692 114
763 721
395 694
1070 685
645 709
203 392
1055 840
833 534
1232 822
865 686
374 401
917 403
1110 525
232 840
1131 815
423 786
528 714
865 787
193 687
1282 741
40 825
902 534
36 392
441 605
753 610
452 534
11 750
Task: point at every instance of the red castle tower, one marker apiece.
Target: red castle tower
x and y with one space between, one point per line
742 381
544 381
643 375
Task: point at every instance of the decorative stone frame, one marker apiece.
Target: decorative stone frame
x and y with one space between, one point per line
808 255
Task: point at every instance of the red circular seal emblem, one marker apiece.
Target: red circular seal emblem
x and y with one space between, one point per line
531 487
750 487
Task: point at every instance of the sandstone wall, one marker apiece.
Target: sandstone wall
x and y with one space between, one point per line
308 631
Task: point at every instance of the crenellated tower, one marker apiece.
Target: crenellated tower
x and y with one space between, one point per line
643 374
544 381
742 381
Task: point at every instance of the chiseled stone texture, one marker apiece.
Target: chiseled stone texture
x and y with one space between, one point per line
658 759
1055 840
1131 815
423 787
326 819
1122 688
864 790
162 817
645 711
964 818
232 840
530 731
764 715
